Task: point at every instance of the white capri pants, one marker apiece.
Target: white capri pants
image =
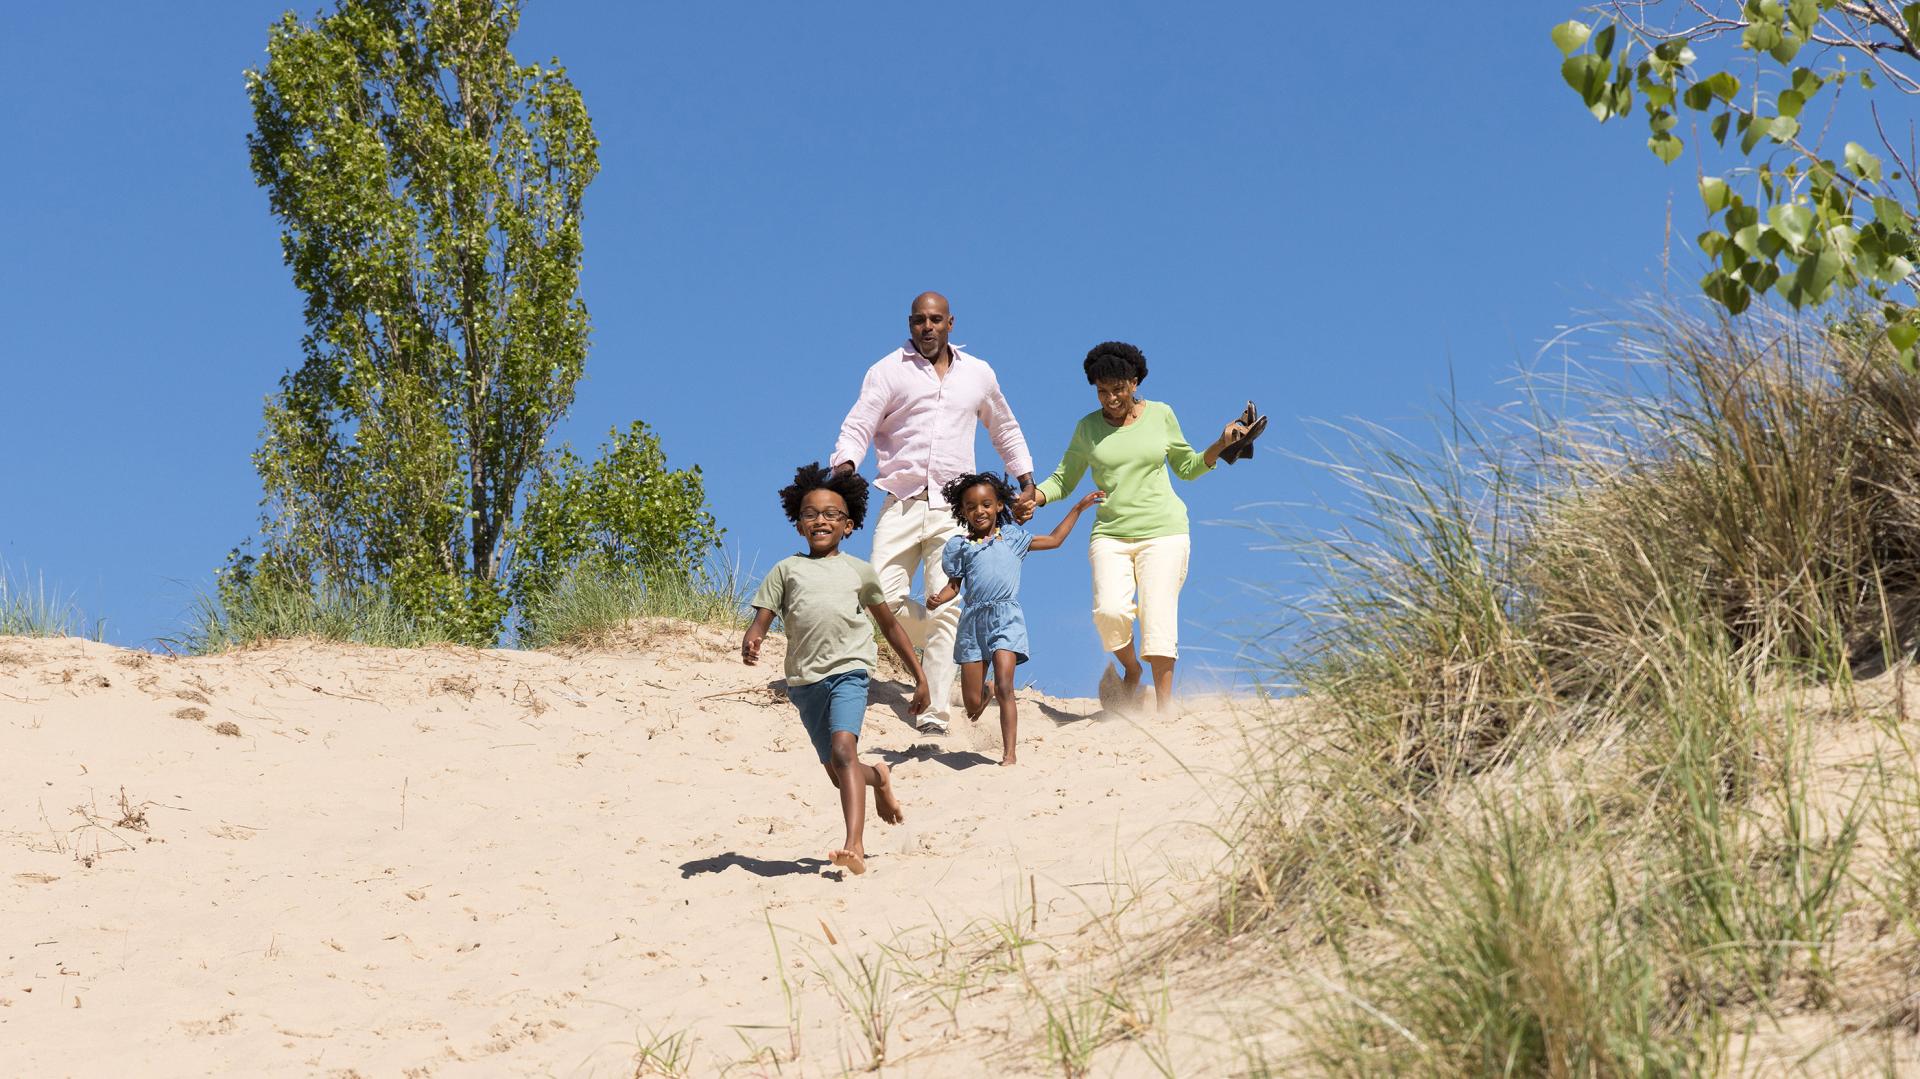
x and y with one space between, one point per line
1151 569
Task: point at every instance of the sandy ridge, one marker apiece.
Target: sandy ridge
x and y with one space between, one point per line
356 861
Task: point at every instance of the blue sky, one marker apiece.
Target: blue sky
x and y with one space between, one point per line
1336 215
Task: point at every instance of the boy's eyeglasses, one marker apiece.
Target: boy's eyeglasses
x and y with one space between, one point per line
811 514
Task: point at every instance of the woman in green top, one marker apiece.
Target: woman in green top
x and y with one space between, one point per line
1139 547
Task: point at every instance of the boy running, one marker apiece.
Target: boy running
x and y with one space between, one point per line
824 598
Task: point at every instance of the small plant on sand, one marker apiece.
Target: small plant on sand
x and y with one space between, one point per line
865 990
669 1055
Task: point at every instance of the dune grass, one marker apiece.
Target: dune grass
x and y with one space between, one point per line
594 601
29 609
1556 808
261 612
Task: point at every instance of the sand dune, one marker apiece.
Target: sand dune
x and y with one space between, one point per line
334 860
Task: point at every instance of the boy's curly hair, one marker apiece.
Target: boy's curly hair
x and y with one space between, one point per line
955 489
850 486
1113 361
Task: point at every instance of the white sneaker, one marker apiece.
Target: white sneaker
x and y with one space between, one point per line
930 723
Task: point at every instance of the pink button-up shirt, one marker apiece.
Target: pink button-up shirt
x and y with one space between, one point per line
921 425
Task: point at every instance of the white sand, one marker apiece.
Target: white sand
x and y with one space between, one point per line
458 862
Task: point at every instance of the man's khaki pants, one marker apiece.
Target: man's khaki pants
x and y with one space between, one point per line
907 534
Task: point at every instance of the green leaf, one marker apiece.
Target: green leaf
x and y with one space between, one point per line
1794 223
1570 35
1603 41
1718 127
1715 193
1803 14
1723 85
1861 163
1790 102
1659 120
1787 49
1665 146
1812 281
1711 243
1726 291
1747 239
1587 75
1698 97
1751 132
1762 37
1911 16
1902 335
1781 128
1806 82
1759 276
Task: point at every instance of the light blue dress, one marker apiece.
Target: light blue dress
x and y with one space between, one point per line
989 576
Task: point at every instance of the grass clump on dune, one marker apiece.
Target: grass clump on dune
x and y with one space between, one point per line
594 600
29 610
1557 807
261 612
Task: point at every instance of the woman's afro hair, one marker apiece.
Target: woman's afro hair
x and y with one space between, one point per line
850 486
955 490
1111 361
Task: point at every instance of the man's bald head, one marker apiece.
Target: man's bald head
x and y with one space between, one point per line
928 325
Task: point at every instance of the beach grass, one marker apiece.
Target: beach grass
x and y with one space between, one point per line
1557 804
28 608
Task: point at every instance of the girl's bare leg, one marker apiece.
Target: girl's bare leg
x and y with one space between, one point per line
973 691
1003 664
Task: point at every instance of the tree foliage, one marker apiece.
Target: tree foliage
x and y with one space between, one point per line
1790 215
429 189
625 512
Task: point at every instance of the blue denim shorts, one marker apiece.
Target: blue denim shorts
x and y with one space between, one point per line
837 702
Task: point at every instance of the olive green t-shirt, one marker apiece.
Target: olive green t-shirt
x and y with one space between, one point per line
823 604
1130 464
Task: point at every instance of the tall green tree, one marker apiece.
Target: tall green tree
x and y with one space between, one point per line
429 189
1807 195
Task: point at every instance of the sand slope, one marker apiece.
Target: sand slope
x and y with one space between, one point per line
459 862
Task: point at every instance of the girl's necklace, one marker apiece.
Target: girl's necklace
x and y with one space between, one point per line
988 538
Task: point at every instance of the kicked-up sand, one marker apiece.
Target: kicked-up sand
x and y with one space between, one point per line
319 859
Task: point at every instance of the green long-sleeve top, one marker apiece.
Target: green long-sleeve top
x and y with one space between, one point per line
1129 465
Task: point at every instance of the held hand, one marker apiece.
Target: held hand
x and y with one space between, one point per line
1231 432
1024 504
1091 498
933 602
750 650
921 695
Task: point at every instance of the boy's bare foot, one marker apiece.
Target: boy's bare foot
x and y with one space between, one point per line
883 798
849 861
1008 761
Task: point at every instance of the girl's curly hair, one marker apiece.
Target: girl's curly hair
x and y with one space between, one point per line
850 486
955 490
1112 361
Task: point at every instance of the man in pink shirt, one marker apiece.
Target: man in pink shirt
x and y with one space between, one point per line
917 408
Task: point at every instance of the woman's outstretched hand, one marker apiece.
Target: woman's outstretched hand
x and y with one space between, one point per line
1229 434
